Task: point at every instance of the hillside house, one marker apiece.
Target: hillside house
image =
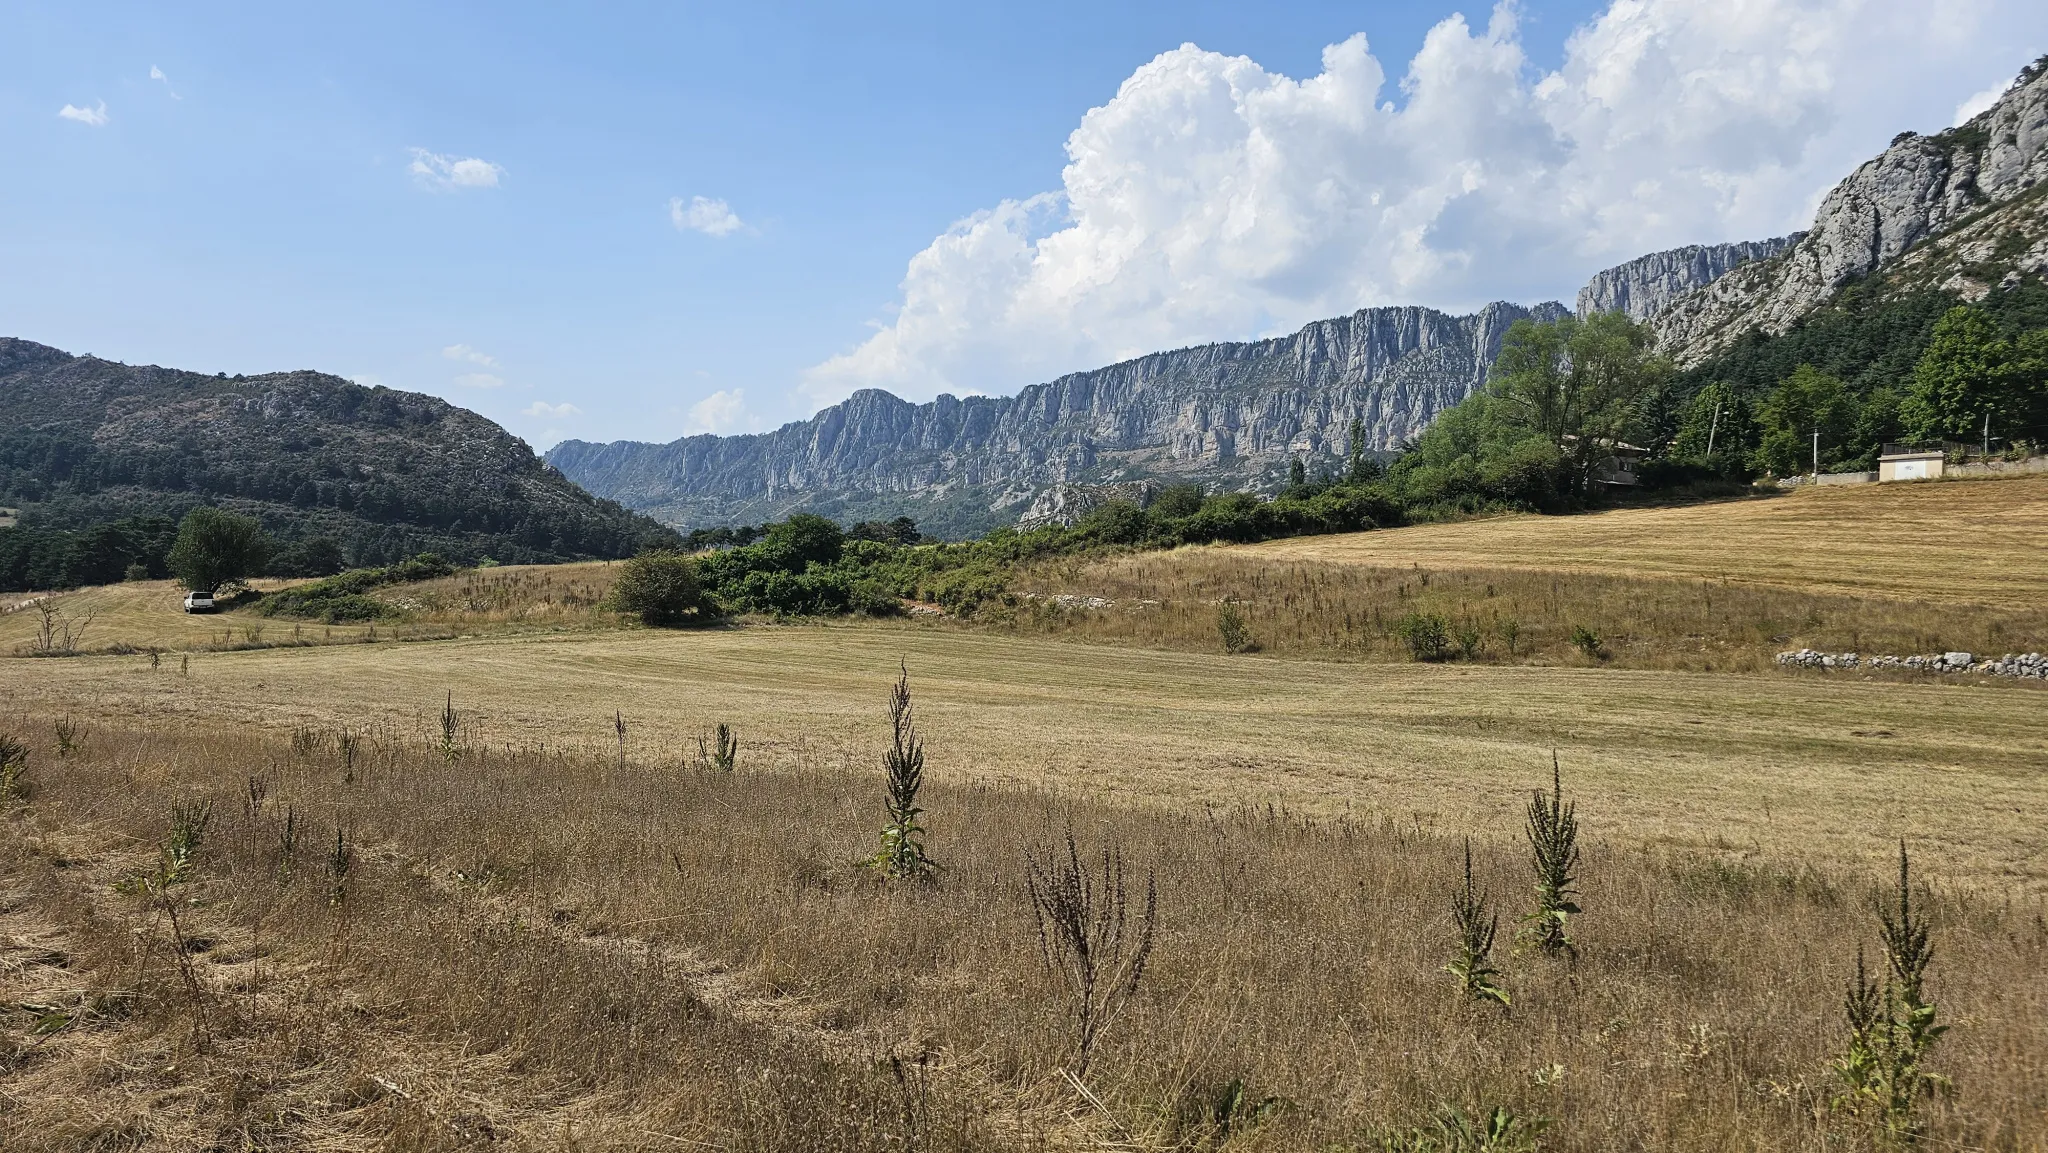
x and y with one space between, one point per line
1906 462
1620 463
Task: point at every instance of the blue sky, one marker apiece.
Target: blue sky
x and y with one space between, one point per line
501 204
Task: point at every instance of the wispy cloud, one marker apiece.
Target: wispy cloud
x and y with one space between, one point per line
480 380
156 73
451 173
96 117
472 355
552 411
722 412
1968 109
705 215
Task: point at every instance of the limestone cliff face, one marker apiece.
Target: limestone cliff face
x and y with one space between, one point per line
1916 190
1228 414
1644 286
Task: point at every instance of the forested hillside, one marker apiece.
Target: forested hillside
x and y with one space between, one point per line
101 457
1867 368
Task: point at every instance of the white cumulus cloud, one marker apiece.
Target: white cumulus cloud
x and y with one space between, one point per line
157 74
551 411
450 173
1211 199
724 411
705 215
96 116
472 355
480 380
1968 109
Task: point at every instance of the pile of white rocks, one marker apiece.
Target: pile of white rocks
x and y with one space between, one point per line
2010 665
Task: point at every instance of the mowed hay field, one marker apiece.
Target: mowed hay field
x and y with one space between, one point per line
543 934
1788 769
1961 541
1892 569
530 939
148 614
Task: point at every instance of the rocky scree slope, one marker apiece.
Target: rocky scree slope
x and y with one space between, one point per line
1960 211
384 473
1225 414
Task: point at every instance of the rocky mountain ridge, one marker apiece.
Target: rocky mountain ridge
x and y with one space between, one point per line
1228 414
1958 211
1643 287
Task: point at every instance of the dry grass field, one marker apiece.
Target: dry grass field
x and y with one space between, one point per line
1336 610
140 615
1898 569
543 935
500 946
1788 768
1965 542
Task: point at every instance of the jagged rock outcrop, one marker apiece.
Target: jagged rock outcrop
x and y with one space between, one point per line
1916 190
1066 504
1229 414
1641 288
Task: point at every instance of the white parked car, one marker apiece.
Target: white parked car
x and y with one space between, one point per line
198 601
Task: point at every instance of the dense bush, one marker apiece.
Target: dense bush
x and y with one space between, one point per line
661 588
216 548
345 598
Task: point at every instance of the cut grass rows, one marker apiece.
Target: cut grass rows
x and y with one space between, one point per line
520 938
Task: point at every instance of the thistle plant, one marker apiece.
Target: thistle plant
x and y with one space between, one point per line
188 830
1553 831
67 737
339 862
1476 928
619 727
1452 1130
13 769
1892 1027
451 727
348 742
288 844
723 755
903 852
1088 938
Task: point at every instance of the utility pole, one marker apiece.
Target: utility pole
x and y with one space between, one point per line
1987 434
1713 427
1816 454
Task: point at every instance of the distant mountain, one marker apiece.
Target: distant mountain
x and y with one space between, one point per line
1644 286
384 473
1960 211
1225 414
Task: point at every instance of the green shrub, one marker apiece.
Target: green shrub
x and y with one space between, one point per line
661 588
1231 627
1427 635
345 598
1587 641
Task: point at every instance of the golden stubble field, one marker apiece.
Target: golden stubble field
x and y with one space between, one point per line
1971 541
1776 768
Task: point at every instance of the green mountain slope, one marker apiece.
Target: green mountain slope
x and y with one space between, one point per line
384 474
